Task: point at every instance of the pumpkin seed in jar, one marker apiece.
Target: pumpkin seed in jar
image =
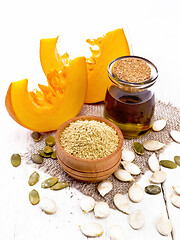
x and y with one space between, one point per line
50 141
33 179
168 164
138 148
36 158
152 189
59 186
48 150
49 182
177 160
54 155
34 197
43 154
36 136
15 160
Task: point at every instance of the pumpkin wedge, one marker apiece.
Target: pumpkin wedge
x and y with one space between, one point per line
114 44
47 108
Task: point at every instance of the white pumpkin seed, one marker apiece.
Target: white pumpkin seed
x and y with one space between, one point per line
175 135
152 145
122 203
153 163
92 229
177 189
101 210
123 175
104 187
116 233
87 204
175 199
135 193
131 168
136 219
127 155
48 205
158 177
159 125
164 225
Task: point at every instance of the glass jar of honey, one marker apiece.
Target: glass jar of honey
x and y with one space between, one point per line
130 100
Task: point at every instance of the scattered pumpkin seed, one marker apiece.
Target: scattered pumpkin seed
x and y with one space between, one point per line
152 189
158 177
175 199
116 233
135 193
122 203
177 160
104 187
127 155
15 160
101 210
92 229
59 186
163 225
36 136
34 197
131 168
43 154
48 205
50 141
153 163
177 189
87 204
33 179
168 164
138 148
123 175
159 125
48 150
54 155
49 182
136 219
175 135
36 158
152 145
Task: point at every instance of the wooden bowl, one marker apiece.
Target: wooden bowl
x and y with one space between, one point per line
88 170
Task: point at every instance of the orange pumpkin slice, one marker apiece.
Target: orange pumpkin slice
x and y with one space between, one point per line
46 109
114 44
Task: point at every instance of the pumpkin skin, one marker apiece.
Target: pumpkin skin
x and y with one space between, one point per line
46 109
113 45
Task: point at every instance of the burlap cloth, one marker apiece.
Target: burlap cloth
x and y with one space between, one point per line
162 110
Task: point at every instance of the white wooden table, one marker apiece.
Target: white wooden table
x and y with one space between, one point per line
154 33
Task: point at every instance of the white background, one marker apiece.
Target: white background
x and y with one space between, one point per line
153 30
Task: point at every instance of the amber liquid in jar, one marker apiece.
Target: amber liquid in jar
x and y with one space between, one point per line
131 112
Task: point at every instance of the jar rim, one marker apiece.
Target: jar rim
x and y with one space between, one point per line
143 84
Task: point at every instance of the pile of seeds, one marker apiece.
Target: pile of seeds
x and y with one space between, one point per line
132 70
89 139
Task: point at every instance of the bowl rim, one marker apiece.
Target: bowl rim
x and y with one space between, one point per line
89 117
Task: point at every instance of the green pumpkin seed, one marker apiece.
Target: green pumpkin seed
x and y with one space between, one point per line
168 164
48 150
49 182
15 159
36 136
43 154
37 158
59 186
50 141
177 160
34 197
53 155
33 179
138 148
152 189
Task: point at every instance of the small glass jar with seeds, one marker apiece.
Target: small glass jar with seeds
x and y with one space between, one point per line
130 99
